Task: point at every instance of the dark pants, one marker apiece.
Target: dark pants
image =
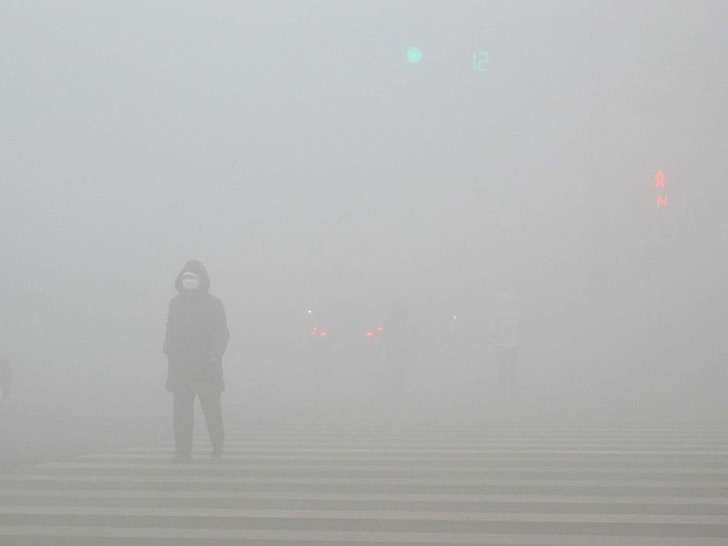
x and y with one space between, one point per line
184 416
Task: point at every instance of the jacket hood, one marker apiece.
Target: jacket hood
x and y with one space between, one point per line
198 268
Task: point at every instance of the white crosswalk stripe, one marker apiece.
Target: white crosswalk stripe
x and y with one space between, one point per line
541 486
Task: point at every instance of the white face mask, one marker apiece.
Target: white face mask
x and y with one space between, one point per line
190 283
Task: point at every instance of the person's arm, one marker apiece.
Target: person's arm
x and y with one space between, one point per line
165 348
221 333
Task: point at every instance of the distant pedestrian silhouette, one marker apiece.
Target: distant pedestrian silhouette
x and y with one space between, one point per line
195 342
399 344
507 342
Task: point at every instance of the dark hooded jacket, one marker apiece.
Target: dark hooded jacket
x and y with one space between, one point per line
196 337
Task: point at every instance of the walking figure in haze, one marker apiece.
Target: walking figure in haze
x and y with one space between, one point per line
399 345
195 342
506 330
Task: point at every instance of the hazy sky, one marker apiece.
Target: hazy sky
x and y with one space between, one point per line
293 149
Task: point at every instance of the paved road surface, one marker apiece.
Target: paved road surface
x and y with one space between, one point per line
626 486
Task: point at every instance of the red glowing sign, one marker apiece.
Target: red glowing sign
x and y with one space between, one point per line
376 332
660 183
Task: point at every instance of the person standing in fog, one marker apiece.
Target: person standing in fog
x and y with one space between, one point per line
506 330
195 342
399 345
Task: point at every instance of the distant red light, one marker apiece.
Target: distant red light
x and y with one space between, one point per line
370 334
659 179
661 201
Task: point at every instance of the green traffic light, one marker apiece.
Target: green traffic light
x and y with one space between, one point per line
414 55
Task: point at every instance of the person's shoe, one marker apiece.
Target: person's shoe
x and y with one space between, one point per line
182 458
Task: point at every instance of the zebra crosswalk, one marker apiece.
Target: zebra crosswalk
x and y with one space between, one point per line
606 486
